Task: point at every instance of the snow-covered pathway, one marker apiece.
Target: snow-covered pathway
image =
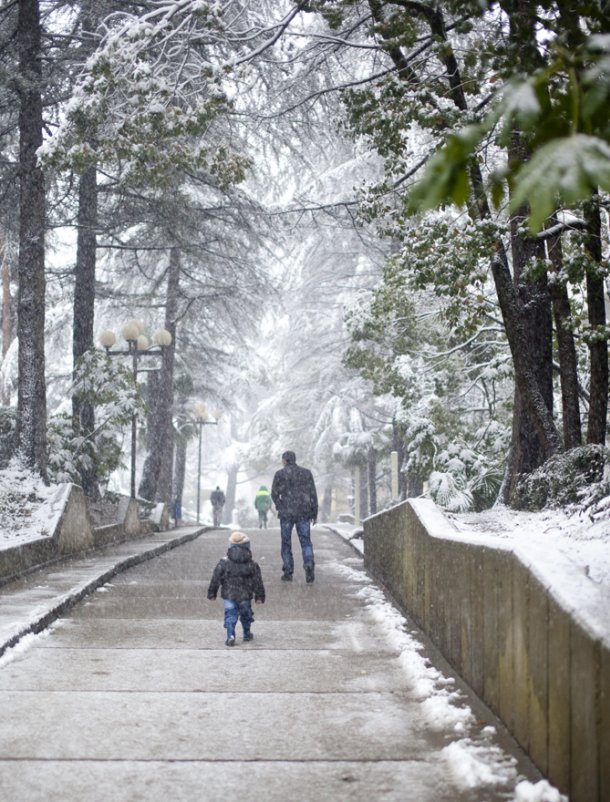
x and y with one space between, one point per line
134 696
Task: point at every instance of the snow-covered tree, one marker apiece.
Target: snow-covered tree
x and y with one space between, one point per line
109 387
434 79
31 396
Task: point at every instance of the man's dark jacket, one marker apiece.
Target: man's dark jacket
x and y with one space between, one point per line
217 498
294 493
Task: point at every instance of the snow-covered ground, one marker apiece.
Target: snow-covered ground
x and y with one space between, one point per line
28 508
584 542
472 762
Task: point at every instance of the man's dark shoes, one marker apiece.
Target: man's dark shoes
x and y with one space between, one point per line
248 636
309 576
286 577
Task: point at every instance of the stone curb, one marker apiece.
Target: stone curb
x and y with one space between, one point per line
58 606
357 533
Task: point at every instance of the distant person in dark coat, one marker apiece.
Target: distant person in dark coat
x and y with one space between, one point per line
217 498
239 579
296 501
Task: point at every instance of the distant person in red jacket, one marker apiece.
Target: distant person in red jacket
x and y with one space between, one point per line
296 501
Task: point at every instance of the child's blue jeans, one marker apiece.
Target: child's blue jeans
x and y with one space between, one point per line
238 610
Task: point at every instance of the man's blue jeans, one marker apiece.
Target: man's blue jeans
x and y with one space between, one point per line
304 533
237 610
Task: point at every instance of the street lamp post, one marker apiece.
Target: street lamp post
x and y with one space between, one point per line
138 346
201 418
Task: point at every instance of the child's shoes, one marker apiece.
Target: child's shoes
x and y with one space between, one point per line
230 641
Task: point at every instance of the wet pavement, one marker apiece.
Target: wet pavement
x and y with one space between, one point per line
131 693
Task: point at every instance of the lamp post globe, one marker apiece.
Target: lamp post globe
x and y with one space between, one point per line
107 339
162 338
131 331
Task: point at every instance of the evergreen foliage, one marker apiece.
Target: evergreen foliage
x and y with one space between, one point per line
110 387
572 480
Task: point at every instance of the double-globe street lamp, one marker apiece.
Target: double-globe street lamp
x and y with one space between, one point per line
201 419
138 345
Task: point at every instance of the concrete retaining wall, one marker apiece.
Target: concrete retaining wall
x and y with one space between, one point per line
72 532
532 638
17 560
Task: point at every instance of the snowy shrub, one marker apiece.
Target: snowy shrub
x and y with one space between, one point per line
110 387
462 481
70 456
566 479
8 435
353 448
595 500
449 492
485 487
421 442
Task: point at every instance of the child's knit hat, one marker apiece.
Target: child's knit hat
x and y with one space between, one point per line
239 538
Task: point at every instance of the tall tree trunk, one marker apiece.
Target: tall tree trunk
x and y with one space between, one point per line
566 349
164 485
160 435
598 343
528 449
230 494
598 346
399 448
372 480
31 396
7 329
535 436
521 348
179 467
83 415
364 507
327 502
518 323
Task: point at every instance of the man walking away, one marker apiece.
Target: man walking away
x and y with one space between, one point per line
217 498
296 501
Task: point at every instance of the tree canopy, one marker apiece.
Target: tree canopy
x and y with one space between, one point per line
411 198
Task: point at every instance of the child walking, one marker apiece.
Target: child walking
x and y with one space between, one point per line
239 579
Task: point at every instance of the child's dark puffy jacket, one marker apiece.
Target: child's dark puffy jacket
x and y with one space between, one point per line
237 576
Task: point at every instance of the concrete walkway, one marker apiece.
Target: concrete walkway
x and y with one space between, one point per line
132 695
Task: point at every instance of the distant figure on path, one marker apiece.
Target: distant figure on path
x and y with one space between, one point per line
262 504
217 497
239 579
296 501
177 512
